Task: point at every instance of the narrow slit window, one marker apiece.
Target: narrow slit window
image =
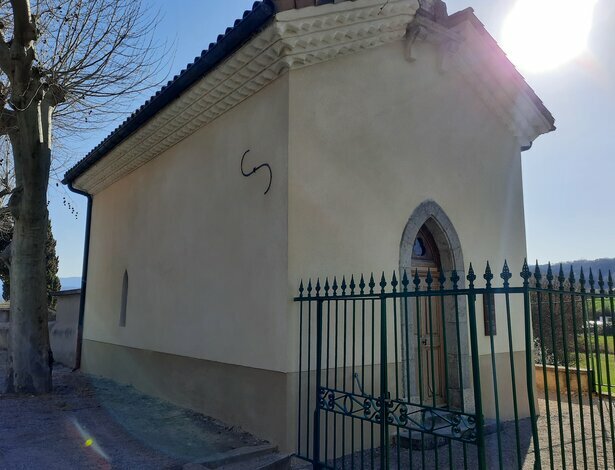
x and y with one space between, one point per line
124 299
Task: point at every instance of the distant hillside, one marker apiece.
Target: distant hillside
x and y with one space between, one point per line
602 264
69 283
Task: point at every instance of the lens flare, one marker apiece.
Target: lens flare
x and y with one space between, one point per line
541 35
87 440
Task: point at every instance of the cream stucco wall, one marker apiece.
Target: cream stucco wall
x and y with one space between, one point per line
205 250
386 135
355 144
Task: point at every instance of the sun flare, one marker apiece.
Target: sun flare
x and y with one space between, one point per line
541 35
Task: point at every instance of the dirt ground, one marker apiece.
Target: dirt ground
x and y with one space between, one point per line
92 423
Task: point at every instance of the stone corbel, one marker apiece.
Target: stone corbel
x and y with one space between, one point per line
424 29
414 32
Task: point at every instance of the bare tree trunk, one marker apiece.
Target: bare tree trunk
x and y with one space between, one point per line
93 53
29 370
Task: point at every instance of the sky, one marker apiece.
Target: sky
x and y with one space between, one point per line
567 175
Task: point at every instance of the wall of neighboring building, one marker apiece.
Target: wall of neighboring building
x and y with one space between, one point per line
388 134
206 256
63 334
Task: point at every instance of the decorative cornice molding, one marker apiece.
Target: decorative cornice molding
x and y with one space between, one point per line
503 90
296 38
302 37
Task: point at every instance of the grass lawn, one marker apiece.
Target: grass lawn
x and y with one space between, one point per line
607 369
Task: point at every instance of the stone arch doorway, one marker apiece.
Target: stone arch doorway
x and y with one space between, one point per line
430 241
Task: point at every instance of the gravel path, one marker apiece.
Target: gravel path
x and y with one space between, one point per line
90 423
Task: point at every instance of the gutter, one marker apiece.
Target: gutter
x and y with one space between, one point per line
84 272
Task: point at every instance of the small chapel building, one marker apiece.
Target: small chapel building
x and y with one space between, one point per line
312 138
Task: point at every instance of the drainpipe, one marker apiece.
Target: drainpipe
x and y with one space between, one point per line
84 272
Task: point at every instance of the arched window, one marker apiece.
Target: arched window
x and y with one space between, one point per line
124 299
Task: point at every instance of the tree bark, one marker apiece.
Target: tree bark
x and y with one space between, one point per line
29 370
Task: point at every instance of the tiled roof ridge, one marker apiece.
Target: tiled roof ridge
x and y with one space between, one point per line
251 22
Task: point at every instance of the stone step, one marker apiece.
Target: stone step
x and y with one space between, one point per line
300 464
252 457
274 461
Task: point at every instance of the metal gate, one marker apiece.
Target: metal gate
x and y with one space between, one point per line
374 391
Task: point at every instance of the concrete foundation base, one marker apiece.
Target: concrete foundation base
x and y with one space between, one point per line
251 398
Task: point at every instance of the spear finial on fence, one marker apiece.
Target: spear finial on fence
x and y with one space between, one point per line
352 284
600 281
537 275
455 279
371 284
383 283
592 283
326 286
317 287
525 273
505 274
571 280
582 280
471 277
362 285
405 281
309 288
442 280
549 276
394 282
488 276
301 288
417 280
334 286
428 279
561 278
343 285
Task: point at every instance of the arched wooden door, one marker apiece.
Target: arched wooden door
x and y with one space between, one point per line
430 370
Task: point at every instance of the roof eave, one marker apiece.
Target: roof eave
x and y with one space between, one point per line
235 37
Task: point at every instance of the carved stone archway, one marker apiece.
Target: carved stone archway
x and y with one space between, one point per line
430 216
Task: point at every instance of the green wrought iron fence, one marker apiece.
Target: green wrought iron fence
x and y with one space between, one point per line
436 372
